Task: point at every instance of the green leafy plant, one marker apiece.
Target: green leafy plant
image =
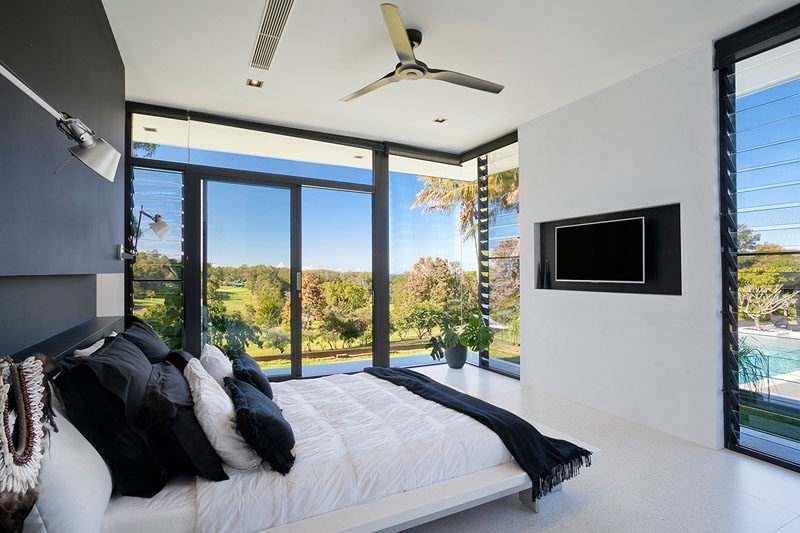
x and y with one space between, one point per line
753 368
475 335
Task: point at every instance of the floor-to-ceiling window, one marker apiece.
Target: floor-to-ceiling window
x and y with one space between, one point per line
318 253
433 252
274 232
760 181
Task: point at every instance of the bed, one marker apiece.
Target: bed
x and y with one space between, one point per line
371 456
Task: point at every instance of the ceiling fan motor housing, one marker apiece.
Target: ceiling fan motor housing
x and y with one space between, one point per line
415 37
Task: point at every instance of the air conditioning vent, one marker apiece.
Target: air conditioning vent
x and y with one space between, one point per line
273 23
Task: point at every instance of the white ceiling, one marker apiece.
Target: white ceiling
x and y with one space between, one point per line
195 54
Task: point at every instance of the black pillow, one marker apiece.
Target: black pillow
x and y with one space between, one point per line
145 337
103 395
246 369
175 436
262 425
179 358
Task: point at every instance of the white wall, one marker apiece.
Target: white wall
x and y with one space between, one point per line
111 294
648 140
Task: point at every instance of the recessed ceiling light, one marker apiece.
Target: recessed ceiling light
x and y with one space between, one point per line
255 83
439 120
150 129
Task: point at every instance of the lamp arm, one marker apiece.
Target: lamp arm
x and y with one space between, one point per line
145 213
138 231
22 86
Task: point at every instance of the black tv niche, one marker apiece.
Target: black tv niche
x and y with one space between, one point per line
634 251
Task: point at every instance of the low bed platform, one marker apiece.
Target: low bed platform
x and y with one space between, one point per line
371 456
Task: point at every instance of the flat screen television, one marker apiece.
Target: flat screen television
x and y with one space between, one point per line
610 251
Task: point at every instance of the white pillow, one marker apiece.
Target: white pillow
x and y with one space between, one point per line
216 363
86 352
214 410
75 484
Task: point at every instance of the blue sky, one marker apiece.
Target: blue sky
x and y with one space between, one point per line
768 140
249 224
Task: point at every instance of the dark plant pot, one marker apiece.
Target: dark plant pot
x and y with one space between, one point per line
456 356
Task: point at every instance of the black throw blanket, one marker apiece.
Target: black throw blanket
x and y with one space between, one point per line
547 461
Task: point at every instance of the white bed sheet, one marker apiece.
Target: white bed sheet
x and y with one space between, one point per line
172 510
358 439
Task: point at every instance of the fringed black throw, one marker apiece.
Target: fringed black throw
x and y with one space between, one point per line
547 461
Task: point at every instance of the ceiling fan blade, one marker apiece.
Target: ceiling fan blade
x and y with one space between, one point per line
462 79
386 80
397 31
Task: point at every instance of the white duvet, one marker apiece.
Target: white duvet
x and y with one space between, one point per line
359 438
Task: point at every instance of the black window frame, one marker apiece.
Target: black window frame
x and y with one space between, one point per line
762 36
193 179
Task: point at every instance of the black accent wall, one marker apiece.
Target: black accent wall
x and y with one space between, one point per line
56 231
662 251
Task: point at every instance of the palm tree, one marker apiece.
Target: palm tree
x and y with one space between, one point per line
444 195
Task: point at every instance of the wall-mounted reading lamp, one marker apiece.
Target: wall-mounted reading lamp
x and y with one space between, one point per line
91 150
159 227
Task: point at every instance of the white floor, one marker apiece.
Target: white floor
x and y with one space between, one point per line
644 480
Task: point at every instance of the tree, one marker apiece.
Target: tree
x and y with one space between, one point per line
434 280
268 312
424 316
345 296
312 308
230 331
277 337
746 239
758 302
348 329
446 195
167 318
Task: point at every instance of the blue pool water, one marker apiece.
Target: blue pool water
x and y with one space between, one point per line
783 353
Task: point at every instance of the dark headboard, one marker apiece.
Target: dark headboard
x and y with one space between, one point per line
80 336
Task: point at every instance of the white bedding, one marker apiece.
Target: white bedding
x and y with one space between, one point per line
172 510
358 439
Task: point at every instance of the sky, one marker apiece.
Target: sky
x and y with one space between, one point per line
767 144
249 224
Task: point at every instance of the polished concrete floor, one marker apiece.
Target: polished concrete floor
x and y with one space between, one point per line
643 480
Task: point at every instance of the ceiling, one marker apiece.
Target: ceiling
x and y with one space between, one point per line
195 54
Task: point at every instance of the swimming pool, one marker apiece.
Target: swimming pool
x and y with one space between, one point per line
783 353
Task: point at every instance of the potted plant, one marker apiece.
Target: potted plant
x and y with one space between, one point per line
452 344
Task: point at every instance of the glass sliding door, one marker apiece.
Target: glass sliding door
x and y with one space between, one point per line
336 293
247 271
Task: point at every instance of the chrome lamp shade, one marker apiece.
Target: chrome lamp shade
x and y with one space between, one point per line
160 228
100 157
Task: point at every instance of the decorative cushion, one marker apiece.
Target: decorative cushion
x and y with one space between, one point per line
215 363
179 358
175 436
262 425
246 369
103 395
214 411
76 483
146 339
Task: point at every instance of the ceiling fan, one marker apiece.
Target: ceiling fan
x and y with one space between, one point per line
411 68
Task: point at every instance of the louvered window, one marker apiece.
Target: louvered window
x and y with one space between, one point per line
157 274
760 199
